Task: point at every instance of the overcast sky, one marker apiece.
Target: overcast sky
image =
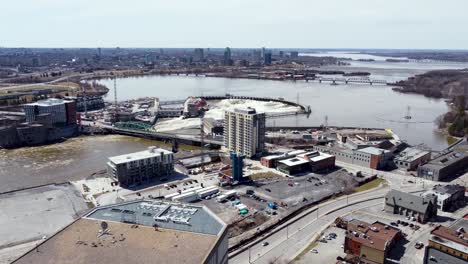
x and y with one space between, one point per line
438 24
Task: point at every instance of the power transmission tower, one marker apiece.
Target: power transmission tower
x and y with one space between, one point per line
408 112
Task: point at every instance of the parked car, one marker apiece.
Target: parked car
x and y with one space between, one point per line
314 251
265 244
419 245
393 224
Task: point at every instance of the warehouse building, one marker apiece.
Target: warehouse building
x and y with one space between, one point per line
140 231
411 158
370 157
141 167
422 208
445 166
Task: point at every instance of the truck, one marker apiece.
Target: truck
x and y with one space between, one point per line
207 192
186 197
226 196
172 195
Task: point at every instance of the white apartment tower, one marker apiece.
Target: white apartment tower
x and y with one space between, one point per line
244 131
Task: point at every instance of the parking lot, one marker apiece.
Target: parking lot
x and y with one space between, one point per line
311 186
326 249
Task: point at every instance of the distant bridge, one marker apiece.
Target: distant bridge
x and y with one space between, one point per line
352 80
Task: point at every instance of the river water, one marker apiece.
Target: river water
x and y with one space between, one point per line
343 105
375 106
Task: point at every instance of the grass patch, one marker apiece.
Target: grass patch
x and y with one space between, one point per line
451 140
307 249
255 168
264 175
370 185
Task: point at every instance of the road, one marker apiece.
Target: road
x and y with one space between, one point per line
289 241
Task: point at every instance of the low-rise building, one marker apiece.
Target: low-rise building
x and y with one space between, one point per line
318 161
369 157
445 166
272 160
422 208
369 243
449 197
448 244
137 232
141 167
411 158
293 165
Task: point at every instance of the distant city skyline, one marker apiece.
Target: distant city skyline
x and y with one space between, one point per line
336 24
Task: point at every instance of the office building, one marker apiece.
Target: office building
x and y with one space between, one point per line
267 58
445 166
369 243
198 54
141 231
227 57
448 244
422 208
294 54
449 197
244 131
141 167
54 111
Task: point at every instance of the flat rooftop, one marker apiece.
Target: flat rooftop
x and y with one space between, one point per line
173 216
376 235
411 154
293 161
447 159
373 150
80 243
141 231
145 154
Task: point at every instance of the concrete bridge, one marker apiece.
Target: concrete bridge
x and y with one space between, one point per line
194 140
